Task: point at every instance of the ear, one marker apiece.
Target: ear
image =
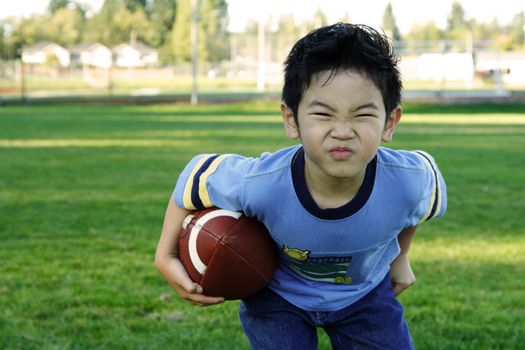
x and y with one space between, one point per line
391 123
290 126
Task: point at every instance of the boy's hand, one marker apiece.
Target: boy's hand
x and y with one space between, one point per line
177 277
401 275
171 267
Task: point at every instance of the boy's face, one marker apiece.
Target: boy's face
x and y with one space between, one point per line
341 125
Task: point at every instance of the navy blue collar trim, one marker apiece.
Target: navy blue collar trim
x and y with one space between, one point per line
342 212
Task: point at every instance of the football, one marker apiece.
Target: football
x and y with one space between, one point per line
227 253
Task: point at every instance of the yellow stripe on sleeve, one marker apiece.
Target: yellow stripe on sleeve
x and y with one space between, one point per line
439 199
433 194
203 190
188 204
438 191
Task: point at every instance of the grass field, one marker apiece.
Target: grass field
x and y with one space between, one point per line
83 191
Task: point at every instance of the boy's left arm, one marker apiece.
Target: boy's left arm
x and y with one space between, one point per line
401 275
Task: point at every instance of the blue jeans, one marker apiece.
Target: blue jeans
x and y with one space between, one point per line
374 322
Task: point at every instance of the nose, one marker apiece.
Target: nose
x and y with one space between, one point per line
343 130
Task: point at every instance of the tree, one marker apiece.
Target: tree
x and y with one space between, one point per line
116 22
213 37
3 50
287 35
21 32
389 24
181 44
245 44
457 25
100 28
65 26
9 48
126 22
320 19
427 31
162 13
517 30
55 5
482 31
456 19
423 36
134 5
214 27
29 30
346 18
162 16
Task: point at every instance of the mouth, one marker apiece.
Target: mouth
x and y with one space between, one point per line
341 153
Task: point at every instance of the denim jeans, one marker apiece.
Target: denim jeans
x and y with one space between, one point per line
374 322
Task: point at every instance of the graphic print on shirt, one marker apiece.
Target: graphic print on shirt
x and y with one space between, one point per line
331 269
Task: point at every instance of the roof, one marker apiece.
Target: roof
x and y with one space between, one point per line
85 47
139 46
500 55
41 45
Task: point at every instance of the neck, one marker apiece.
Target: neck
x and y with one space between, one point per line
332 192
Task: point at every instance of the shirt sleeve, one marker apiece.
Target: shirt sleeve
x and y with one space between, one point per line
433 203
211 180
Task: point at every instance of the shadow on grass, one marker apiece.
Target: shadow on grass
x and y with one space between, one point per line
483 108
261 108
252 107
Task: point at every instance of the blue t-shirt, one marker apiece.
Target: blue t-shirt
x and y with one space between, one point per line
329 258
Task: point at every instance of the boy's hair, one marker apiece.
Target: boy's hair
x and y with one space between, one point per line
338 47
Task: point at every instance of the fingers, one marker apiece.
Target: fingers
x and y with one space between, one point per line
400 287
194 294
177 277
168 264
202 300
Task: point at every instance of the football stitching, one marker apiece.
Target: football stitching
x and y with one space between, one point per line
232 249
195 231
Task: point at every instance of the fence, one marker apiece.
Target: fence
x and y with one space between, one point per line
428 71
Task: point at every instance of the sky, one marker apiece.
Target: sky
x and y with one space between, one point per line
407 12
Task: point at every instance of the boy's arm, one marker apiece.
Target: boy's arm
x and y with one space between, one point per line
170 266
401 274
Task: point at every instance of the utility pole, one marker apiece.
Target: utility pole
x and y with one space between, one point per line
22 81
109 16
194 50
261 64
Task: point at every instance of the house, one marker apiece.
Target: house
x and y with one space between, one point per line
91 55
135 54
446 66
502 67
46 52
132 55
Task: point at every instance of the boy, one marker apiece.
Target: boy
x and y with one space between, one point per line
341 209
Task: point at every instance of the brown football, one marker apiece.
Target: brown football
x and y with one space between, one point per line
229 254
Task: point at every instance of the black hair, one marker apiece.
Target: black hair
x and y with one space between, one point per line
339 47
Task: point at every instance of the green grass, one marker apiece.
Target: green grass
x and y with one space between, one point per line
83 191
